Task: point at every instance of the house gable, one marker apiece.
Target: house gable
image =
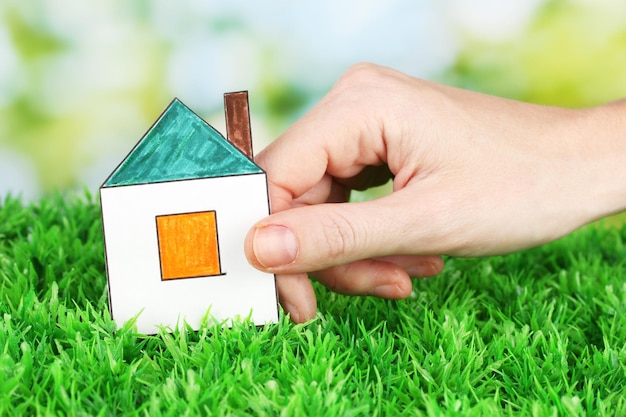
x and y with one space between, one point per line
180 146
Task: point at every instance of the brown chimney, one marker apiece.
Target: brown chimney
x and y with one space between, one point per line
238 121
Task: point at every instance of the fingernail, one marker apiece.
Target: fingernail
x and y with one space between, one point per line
386 291
291 310
274 246
426 269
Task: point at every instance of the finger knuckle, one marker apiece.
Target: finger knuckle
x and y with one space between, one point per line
360 75
333 283
340 235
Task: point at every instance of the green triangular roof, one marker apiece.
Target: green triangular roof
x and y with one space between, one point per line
179 146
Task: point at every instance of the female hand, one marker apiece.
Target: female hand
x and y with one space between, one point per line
473 175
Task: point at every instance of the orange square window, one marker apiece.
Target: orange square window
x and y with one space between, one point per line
188 245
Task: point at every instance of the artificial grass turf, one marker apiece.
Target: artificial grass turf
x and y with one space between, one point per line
540 332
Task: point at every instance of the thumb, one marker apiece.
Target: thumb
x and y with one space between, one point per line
312 238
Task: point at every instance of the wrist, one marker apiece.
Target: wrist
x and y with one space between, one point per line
604 145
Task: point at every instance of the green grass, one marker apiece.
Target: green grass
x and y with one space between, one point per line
540 333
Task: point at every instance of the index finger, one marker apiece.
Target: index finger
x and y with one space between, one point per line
340 136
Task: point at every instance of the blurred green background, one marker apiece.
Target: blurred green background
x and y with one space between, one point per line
80 82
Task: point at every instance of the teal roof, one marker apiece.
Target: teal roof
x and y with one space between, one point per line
180 146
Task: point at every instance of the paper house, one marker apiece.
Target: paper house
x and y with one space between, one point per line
175 214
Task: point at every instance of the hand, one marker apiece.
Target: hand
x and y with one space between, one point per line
473 175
